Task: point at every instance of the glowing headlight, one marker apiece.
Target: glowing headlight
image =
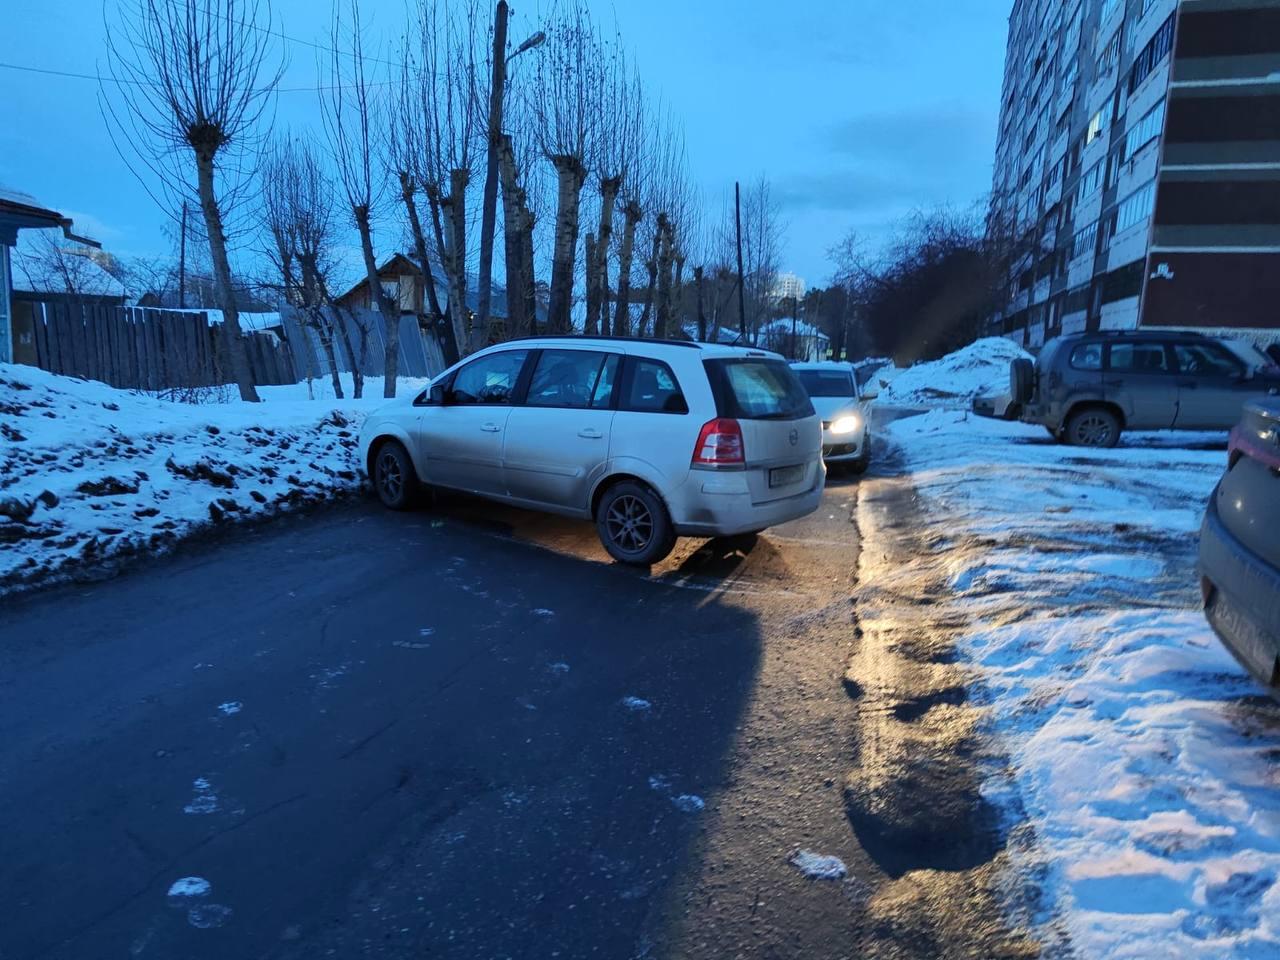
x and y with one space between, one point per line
846 424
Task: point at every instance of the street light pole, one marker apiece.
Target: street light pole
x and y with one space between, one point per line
489 210
737 222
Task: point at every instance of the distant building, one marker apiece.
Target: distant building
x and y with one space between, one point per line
20 211
787 286
1137 170
795 341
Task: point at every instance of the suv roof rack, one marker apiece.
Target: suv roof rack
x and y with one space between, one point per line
1143 332
670 342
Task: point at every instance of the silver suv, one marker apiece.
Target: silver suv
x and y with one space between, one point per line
651 439
1088 387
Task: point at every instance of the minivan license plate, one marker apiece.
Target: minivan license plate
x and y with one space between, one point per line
781 476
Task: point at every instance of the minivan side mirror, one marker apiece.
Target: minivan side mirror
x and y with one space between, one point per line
870 392
439 395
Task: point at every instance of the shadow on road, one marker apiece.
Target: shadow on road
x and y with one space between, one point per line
372 735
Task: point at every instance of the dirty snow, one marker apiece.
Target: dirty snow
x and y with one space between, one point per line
89 473
205 800
1135 760
189 887
230 708
818 866
636 703
953 381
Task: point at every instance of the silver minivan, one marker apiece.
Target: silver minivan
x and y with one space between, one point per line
650 439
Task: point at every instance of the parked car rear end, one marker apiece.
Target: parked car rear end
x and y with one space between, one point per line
1240 548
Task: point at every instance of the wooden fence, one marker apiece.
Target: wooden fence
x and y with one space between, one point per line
142 348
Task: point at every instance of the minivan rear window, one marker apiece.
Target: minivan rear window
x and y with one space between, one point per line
757 389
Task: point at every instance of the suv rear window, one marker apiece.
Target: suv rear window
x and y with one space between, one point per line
763 389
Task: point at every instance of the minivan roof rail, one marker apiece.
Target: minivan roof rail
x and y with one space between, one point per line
670 342
1142 332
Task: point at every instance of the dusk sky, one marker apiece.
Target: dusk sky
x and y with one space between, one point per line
856 111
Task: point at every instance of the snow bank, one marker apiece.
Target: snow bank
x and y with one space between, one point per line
89 473
1135 758
980 368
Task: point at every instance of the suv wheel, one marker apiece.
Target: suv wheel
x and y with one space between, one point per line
633 525
1093 427
394 478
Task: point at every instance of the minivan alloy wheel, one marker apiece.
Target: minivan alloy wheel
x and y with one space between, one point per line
629 523
390 477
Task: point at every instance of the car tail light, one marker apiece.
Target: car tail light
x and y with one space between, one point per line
720 443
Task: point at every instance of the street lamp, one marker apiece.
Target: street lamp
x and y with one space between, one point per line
489 209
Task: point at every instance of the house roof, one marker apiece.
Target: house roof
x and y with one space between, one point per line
20 211
88 276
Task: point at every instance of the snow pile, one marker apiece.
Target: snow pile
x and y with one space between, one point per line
89 473
980 368
1135 759
816 866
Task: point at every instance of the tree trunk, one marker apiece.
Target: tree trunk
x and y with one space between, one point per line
530 291
454 207
598 309
622 312
408 189
314 306
590 325
702 317
512 233
662 244
677 293
569 179
381 302
222 279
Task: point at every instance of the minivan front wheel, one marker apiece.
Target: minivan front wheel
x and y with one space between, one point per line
633 524
394 479
1093 427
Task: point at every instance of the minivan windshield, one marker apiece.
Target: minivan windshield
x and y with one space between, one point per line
757 389
827 383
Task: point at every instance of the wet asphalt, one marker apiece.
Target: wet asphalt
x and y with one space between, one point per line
454 733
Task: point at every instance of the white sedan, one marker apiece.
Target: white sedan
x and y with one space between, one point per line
833 388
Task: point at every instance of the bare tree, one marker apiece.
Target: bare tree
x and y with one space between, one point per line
622 101
762 230
192 80
450 65
53 264
297 204
352 113
404 155
568 107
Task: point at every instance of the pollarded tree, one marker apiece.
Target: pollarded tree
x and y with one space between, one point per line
569 114
191 82
352 112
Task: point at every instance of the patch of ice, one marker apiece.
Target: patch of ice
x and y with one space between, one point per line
190 887
818 866
230 707
558 667
660 783
688 803
543 612
205 800
636 703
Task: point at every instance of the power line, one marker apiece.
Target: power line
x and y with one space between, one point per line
143 83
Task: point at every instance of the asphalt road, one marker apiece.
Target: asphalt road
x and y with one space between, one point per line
356 733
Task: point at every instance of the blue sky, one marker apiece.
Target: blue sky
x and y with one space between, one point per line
856 110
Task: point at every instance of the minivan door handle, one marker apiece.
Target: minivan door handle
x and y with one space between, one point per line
590 433
490 427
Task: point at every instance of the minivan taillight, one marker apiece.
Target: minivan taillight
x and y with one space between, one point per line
720 443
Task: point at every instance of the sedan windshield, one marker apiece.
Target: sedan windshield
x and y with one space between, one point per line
827 383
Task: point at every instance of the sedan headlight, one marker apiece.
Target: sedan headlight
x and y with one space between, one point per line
846 424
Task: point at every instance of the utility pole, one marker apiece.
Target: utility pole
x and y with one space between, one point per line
742 293
182 261
795 310
489 210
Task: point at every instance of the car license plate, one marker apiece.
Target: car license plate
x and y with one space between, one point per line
782 476
1243 636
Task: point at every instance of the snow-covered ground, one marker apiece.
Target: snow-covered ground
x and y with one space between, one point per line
1137 764
88 473
954 380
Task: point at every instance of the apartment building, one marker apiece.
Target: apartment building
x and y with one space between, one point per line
1137 170
787 286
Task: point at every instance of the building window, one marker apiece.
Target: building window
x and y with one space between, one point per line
1099 122
1108 8
1110 55
1136 207
1091 182
1152 55
407 291
1144 131
1086 241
